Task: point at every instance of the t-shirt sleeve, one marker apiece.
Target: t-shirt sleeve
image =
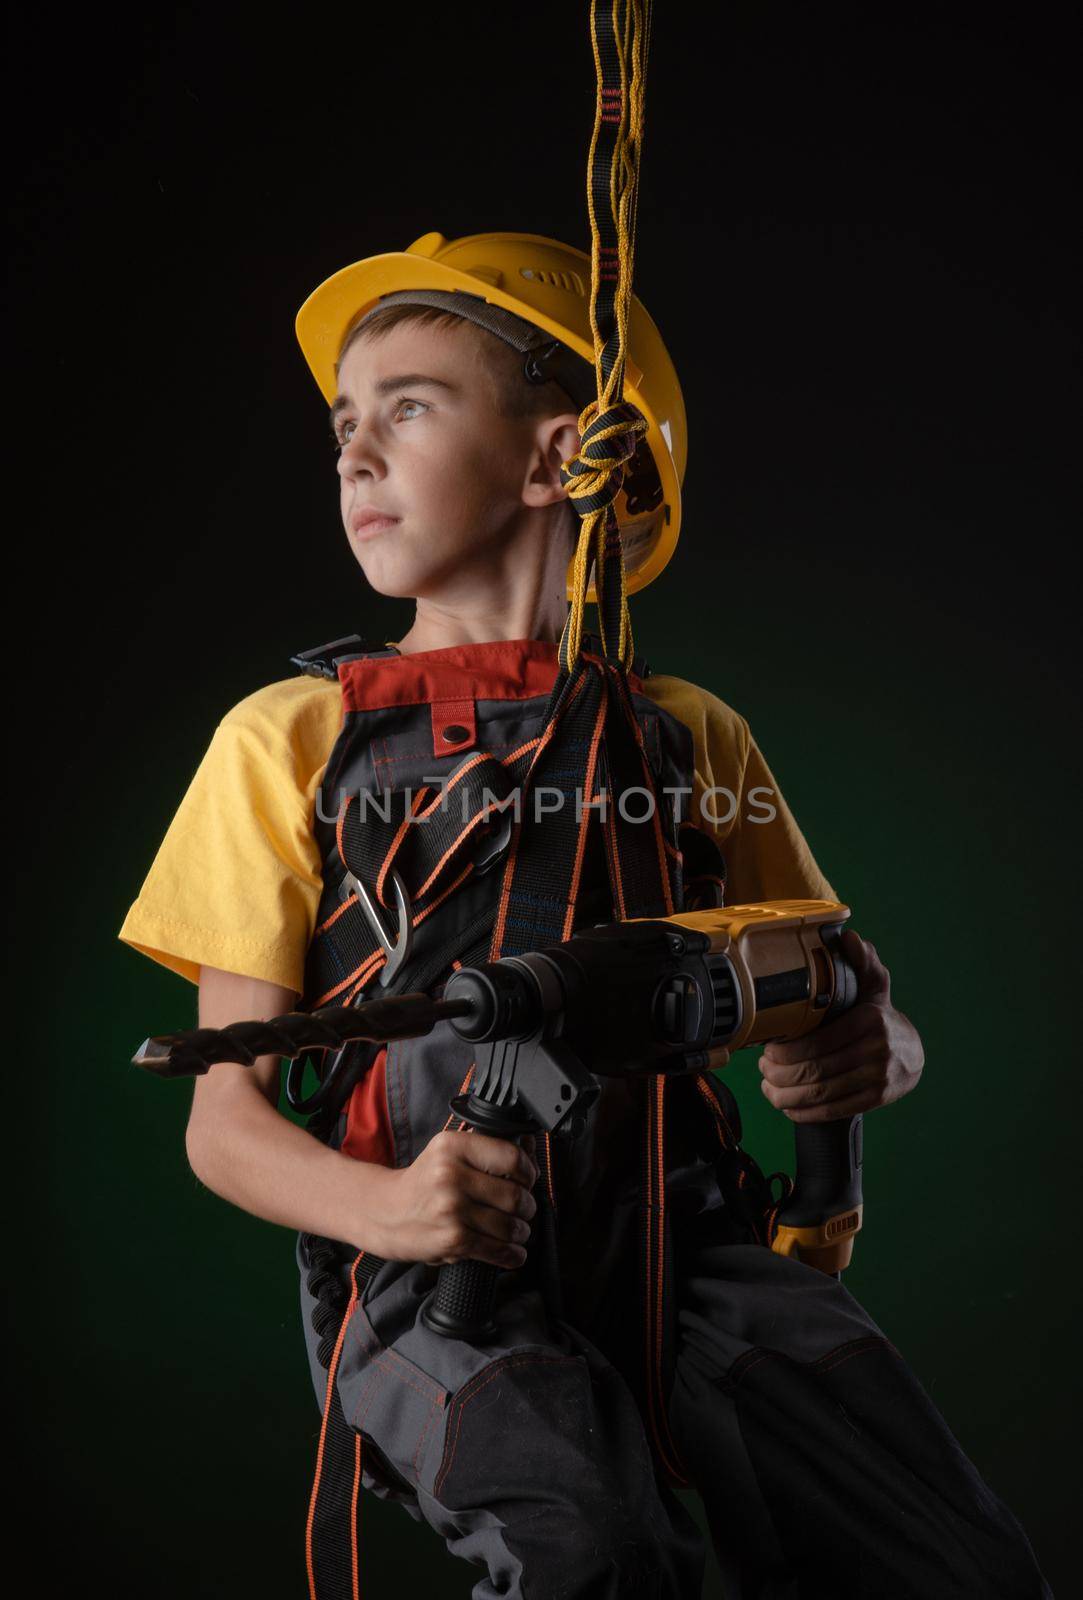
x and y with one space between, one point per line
767 855
736 798
236 881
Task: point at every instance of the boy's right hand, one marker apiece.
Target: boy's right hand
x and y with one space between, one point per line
466 1196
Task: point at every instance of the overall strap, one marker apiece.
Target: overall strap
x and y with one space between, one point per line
323 660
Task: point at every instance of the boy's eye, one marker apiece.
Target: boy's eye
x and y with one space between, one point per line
341 437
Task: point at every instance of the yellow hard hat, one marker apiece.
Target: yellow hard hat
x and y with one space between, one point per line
547 284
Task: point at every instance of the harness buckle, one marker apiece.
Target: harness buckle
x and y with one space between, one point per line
493 847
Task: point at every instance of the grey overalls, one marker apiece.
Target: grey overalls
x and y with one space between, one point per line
652 1340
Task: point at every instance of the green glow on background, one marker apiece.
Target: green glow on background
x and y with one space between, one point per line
872 571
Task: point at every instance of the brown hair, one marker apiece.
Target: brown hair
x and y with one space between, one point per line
513 396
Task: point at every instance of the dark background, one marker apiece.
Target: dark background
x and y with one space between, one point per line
873 569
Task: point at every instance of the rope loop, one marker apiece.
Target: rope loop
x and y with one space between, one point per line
593 476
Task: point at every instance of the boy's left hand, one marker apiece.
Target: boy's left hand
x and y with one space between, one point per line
867 1057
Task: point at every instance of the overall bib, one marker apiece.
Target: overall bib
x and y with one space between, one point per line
652 1341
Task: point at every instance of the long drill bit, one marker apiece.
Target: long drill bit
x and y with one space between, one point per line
191 1053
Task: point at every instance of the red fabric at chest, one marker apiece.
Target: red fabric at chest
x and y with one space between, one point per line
500 669
368 1130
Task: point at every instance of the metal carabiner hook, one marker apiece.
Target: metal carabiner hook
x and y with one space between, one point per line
397 950
396 947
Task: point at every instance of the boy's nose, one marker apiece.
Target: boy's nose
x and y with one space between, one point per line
351 459
359 452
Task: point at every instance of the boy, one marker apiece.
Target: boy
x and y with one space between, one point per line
823 1467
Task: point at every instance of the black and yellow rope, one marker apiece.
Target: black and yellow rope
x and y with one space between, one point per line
610 426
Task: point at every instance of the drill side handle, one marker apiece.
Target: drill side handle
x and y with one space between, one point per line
524 1086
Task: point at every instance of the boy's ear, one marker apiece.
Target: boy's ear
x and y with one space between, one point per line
556 440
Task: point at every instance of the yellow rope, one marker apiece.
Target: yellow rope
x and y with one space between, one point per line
600 471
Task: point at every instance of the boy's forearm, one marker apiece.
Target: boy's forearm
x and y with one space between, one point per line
257 1159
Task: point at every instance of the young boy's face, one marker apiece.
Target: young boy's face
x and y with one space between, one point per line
459 486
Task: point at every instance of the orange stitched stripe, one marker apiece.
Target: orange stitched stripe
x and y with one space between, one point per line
456 778
406 822
584 821
614 866
350 901
657 1183
355 1586
659 836
546 737
652 1224
656 820
429 909
362 972
653 1389
660 1180
452 1116
338 829
439 867
717 1112
363 982
475 822
331 1370
497 945
663 870
647 1340
548 1164
516 755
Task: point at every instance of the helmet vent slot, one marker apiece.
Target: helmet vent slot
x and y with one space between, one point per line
556 280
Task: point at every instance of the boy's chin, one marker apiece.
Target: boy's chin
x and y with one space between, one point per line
398 580
408 575
394 586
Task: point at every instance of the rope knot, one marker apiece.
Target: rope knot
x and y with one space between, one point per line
594 475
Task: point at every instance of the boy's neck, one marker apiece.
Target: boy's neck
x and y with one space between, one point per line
436 631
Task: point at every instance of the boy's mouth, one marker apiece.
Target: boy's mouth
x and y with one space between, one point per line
367 521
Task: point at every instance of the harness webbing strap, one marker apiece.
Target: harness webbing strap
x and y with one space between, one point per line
542 870
331 1546
649 876
654 1299
646 882
595 743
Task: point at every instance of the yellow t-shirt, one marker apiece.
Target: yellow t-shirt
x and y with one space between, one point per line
236 882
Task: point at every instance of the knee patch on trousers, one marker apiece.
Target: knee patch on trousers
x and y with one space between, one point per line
553 1448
